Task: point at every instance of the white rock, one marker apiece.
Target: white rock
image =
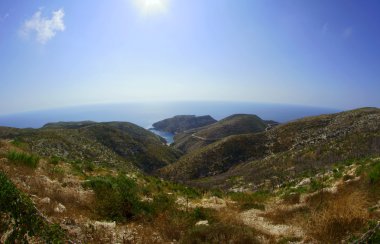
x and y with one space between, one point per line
45 200
304 182
60 208
202 222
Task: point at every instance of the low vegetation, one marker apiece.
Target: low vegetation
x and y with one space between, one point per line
374 173
339 216
247 201
117 197
23 158
21 220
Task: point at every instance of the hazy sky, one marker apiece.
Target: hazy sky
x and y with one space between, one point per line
315 52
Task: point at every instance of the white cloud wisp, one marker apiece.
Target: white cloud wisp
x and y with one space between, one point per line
44 28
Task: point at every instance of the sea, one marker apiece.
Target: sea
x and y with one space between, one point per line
145 114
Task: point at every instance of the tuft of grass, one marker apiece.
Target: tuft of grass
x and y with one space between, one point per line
339 216
56 172
24 159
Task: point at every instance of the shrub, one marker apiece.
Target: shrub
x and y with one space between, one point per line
55 160
161 203
117 197
22 158
374 173
173 224
24 220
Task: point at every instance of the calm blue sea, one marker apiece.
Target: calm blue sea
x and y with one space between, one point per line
145 114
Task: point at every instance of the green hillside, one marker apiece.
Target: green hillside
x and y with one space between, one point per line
282 152
114 144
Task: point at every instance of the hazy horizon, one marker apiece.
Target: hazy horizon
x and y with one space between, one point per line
73 53
145 114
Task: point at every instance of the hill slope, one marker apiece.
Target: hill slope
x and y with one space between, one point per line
282 152
116 144
181 123
232 125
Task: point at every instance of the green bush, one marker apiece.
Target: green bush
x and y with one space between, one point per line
117 197
22 158
161 203
24 218
55 160
374 173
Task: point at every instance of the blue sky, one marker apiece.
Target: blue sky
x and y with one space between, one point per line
64 53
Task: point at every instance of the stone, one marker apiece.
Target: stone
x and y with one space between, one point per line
45 200
202 222
60 208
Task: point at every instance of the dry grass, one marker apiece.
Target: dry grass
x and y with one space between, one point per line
293 198
285 214
339 216
227 229
172 226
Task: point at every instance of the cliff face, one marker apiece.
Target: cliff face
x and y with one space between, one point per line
182 123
